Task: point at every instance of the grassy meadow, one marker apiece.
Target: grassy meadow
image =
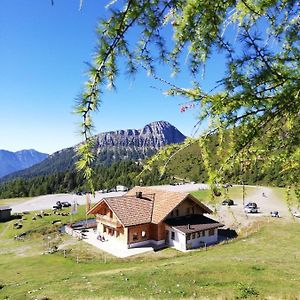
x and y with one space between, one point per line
263 265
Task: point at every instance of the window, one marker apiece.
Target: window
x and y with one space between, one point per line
172 235
211 232
135 236
188 236
144 234
193 235
198 234
110 214
188 211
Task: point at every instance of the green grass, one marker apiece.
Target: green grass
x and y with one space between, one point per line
263 265
233 193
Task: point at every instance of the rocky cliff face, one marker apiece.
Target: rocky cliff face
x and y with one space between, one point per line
14 161
111 146
152 137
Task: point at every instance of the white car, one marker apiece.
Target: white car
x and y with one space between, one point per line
251 208
296 214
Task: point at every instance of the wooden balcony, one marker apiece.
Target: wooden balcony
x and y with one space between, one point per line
108 221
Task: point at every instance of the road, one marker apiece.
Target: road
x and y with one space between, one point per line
47 201
233 216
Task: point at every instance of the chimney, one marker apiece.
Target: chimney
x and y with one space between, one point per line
139 195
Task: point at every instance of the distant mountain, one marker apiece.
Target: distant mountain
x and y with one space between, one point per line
131 144
153 136
14 161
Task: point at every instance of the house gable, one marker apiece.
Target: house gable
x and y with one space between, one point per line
188 206
105 213
129 210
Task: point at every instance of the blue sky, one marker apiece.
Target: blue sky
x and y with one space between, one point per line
43 50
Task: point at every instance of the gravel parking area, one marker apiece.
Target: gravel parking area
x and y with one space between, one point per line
235 217
232 217
47 201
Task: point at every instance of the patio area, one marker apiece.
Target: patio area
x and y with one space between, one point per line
109 245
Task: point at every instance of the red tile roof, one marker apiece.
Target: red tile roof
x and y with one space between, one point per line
152 207
129 210
165 201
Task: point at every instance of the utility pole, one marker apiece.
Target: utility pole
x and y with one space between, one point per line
243 188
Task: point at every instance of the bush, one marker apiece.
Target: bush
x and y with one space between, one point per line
246 291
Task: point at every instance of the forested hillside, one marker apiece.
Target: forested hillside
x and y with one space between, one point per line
189 161
119 173
188 164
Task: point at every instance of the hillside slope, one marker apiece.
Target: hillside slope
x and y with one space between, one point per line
130 144
14 161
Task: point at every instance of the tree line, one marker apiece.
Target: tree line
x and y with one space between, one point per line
105 177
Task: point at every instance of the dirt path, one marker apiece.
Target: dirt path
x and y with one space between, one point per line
267 201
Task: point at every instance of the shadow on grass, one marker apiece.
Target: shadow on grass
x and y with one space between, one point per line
226 234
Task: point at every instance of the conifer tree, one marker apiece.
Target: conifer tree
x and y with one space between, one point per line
259 93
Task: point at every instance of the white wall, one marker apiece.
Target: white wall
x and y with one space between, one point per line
197 242
181 244
179 241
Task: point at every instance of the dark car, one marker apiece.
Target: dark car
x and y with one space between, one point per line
228 202
65 204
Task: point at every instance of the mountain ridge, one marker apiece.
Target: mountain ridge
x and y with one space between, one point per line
131 144
11 162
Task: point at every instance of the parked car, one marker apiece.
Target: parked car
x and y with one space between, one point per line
251 208
227 185
275 214
228 202
251 205
65 204
121 188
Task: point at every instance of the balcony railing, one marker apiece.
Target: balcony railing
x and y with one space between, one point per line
108 221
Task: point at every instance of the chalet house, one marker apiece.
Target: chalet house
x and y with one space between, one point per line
148 216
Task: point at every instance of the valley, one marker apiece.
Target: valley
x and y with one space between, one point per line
250 266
